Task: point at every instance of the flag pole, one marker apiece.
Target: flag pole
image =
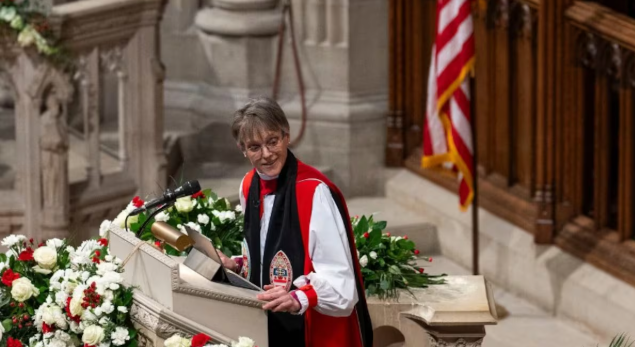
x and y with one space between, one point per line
475 231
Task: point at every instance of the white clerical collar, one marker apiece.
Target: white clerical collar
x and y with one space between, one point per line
265 177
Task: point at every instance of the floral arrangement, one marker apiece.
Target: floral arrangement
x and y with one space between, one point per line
54 295
28 24
202 340
204 212
388 262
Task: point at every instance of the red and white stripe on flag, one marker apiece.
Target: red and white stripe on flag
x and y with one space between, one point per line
447 130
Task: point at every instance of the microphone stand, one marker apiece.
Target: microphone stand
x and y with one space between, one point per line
150 217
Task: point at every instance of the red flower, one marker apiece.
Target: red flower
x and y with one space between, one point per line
366 235
157 244
198 195
430 259
97 253
46 328
388 234
417 252
103 242
405 237
199 340
96 260
68 311
26 255
137 202
421 270
11 342
9 276
31 240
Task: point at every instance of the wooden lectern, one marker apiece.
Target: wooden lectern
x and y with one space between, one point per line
170 298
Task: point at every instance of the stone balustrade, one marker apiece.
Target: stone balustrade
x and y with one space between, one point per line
103 37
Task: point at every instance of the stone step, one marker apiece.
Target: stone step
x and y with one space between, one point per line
400 221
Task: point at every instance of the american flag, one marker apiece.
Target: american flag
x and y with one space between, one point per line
447 131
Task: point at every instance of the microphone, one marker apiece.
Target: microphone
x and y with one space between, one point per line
188 188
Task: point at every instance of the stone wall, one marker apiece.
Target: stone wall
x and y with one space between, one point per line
231 56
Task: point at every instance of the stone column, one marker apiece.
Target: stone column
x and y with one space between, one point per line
237 37
342 46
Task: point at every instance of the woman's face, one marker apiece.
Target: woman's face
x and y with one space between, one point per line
267 152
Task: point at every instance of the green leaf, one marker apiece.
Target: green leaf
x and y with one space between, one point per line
381 225
6 324
132 333
394 270
133 343
385 285
362 226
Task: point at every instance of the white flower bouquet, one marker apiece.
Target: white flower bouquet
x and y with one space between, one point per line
53 295
204 212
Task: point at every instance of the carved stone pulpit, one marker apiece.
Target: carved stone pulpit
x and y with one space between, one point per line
171 298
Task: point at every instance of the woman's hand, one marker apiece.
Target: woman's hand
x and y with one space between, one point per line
228 263
279 300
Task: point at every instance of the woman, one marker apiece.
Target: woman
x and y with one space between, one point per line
299 245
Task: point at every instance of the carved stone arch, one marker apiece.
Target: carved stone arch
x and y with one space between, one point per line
586 50
47 76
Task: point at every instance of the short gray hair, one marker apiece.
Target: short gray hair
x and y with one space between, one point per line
258 114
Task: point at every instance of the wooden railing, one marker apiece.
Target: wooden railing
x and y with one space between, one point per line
598 196
116 73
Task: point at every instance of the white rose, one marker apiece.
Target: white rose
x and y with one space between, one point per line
55 243
22 289
119 336
373 255
75 305
11 240
46 257
177 341
363 261
93 335
122 309
184 204
121 219
239 208
162 217
104 228
244 342
1 331
203 219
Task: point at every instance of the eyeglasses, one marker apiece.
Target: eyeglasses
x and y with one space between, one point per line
273 144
